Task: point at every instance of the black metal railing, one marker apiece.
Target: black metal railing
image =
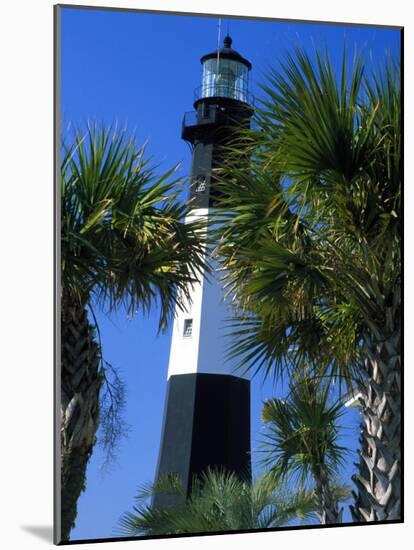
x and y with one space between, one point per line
224 90
194 118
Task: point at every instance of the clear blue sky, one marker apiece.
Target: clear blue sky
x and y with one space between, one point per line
141 69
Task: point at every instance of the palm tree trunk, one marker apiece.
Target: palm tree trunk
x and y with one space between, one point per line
328 510
379 477
80 385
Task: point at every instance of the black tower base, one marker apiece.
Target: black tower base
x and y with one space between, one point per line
206 424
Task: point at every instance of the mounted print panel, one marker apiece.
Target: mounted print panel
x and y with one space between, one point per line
229 266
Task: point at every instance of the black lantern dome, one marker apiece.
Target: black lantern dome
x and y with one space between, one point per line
225 74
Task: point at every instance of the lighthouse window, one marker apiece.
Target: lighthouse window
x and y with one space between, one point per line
225 78
188 328
205 110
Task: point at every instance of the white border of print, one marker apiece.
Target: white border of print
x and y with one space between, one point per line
26 353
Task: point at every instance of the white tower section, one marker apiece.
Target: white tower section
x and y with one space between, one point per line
200 336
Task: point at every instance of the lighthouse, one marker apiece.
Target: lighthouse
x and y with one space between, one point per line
207 411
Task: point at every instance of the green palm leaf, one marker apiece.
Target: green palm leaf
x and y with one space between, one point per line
219 501
124 236
301 443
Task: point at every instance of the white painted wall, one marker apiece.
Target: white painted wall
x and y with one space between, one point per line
214 337
184 351
205 350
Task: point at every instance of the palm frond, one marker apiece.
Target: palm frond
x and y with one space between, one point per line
308 232
302 433
125 237
220 501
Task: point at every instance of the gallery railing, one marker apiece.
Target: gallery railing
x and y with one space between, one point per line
225 89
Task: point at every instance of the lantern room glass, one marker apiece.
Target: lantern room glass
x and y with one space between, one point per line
225 78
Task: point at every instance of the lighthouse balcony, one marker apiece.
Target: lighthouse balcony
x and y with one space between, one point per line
205 118
228 89
195 118
213 113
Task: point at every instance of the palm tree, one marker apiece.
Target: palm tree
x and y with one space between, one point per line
124 242
219 501
310 246
301 440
